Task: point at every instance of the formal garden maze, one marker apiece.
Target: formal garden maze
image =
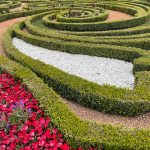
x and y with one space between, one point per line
74 75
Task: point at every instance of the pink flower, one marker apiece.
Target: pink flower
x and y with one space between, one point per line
55 130
41 142
53 142
24 128
31 133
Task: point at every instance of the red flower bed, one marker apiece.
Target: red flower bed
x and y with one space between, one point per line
32 131
23 125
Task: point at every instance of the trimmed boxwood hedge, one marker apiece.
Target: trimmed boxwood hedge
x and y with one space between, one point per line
4 9
140 41
87 49
75 131
103 98
12 15
142 16
97 26
93 17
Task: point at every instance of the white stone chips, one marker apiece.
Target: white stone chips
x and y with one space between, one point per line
96 69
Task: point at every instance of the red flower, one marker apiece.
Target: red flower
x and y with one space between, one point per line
47 133
35 134
65 147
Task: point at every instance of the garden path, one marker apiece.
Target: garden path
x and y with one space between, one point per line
3 27
142 121
116 15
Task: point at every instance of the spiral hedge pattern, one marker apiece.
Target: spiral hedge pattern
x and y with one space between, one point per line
81 27
6 6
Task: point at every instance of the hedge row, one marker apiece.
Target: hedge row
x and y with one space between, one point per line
75 131
123 32
98 26
140 41
126 37
4 9
15 5
117 52
131 8
93 17
103 98
10 4
125 53
142 64
12 15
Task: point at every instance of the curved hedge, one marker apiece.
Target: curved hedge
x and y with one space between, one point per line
96 26
103 98
77 132
140 41
141 13
92 15
5 6
12 15
127 43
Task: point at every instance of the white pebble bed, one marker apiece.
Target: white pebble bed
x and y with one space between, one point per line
96 69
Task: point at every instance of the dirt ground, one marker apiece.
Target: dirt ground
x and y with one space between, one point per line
3 27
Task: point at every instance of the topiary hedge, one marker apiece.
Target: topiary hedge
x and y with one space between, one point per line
12 15
75 131
93 16
141 13
139 41
119 44
96 26
103 98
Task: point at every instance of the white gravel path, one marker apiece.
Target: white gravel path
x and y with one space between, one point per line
97 69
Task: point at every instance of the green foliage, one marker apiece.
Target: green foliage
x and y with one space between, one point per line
103 98
92 16
125 43
142 16
19 115
76 131
141 64
8 16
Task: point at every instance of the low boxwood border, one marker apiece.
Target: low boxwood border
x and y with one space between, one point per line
139 41
142 16
55 42
75 131
103 98
12 15
101 16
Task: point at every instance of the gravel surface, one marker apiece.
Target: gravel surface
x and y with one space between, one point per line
142 121
116 15
96 69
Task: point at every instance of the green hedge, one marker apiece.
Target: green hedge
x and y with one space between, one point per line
103 98
98 26
101 16
141 64
75 131
4 9
15 5
117 52
139 41
123 32
141 18
12 15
